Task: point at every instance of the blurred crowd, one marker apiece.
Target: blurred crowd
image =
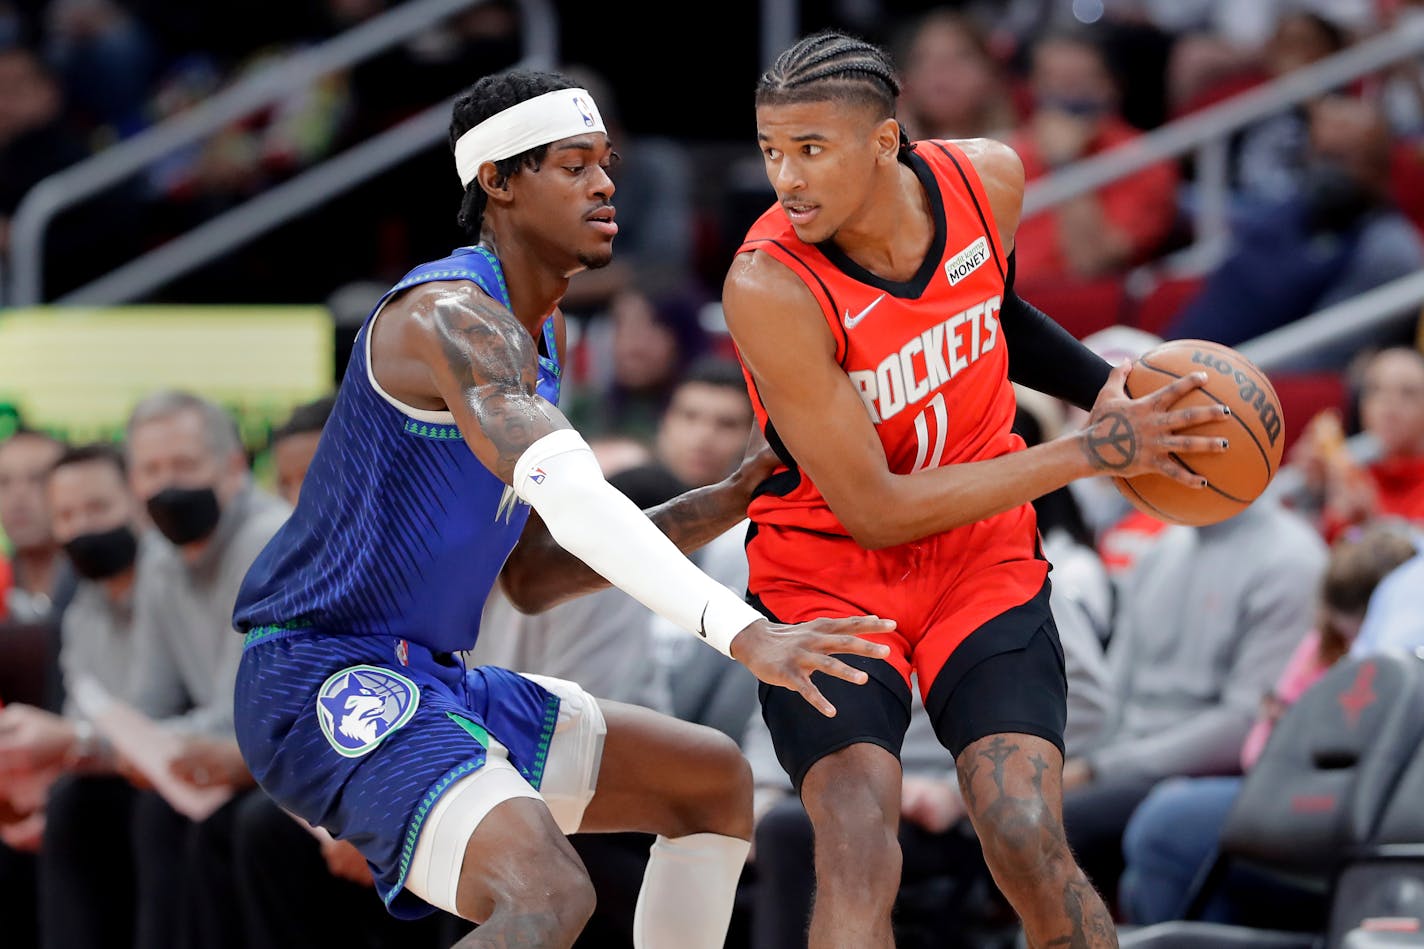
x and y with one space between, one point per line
1184 646
1331 190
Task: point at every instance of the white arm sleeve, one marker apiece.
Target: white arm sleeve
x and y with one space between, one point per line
560 478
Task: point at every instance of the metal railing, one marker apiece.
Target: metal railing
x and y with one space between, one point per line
1386 307
73 185
1208 132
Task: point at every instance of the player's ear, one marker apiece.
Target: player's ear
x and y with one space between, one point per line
887 140
495 185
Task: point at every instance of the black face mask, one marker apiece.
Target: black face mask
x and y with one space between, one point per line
103 555
184 515
1335 199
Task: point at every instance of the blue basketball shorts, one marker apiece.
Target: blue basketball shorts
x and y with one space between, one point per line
364 735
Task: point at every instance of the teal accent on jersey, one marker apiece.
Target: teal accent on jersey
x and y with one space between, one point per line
412 834
534 773
432 430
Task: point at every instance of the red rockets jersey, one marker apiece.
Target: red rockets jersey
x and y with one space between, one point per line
926 355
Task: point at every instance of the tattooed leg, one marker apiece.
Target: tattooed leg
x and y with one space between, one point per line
1012 785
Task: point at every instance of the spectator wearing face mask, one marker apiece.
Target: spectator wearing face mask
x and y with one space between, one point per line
188 467
83 817
1076 115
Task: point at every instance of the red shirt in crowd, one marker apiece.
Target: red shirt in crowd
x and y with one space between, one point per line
1141 206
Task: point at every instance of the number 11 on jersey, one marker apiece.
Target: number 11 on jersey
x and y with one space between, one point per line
925 430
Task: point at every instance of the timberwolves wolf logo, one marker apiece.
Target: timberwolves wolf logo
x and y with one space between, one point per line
361 705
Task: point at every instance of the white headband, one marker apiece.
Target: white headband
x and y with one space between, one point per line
531 123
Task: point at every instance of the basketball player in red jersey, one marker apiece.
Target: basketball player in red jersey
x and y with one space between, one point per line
874 312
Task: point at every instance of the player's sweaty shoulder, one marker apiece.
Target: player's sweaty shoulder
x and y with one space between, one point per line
1001 171
443 319
443 338
993 160
771 314
758 283
427 305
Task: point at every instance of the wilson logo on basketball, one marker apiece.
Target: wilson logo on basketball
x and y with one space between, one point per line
1251 393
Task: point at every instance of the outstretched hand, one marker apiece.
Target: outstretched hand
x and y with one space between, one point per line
1127 437
788 655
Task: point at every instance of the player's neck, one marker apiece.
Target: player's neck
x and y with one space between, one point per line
894 231
535 288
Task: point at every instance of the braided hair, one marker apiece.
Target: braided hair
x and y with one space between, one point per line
833 66
489 96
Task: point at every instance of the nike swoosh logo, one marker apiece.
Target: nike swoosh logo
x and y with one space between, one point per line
702 623
850 321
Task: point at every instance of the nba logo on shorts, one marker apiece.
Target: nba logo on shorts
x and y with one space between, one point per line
359 706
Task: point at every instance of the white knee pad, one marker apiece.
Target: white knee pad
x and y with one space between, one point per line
434 872
569 781
575 753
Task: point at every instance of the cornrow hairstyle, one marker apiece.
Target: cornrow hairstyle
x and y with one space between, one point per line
834 66
489 96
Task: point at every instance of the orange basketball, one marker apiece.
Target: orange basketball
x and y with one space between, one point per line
1255 429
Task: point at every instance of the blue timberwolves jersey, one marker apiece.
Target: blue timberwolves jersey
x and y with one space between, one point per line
399 529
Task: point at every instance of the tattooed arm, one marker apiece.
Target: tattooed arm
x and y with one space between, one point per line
482 363
540 574
824 423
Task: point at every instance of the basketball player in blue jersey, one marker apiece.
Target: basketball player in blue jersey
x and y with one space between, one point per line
354 710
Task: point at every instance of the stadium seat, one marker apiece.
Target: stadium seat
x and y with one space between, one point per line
1319 798
1304 395
1163 302
1195 935
1080 307
1379 899
27 664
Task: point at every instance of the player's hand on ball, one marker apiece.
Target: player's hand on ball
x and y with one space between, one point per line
1127 437
788 655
